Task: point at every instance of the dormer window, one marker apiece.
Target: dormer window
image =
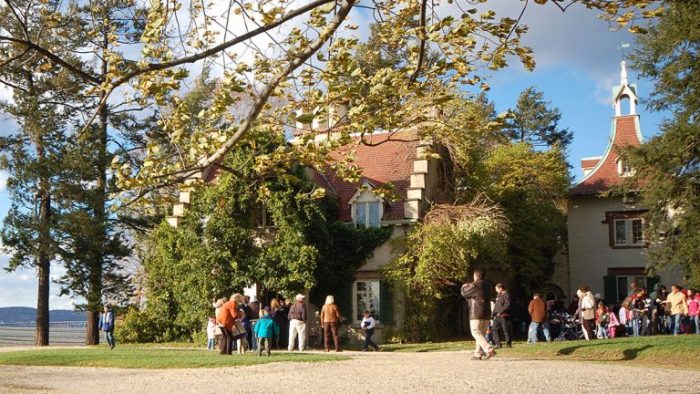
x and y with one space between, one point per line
623 168
367 208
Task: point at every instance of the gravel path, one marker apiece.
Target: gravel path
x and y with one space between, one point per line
443 372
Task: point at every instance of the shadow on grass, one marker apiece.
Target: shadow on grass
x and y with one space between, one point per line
627 354
631 354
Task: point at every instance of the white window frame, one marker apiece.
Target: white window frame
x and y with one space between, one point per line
363 198
629 224
358 310
624 169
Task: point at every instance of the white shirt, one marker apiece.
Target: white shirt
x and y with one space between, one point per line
623 315
365 320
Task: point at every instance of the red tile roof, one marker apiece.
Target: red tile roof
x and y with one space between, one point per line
625 132
589 163
390 161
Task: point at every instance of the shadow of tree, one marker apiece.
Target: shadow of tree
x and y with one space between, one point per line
631 354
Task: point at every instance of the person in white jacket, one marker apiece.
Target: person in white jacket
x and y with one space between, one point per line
367 325
586 310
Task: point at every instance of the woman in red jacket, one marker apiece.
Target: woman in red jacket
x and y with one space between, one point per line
225 320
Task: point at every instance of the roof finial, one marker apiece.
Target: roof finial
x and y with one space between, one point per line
623 73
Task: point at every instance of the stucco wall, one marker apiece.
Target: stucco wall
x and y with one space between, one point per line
590 253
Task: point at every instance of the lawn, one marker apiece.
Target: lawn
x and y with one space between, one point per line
133 356
660 351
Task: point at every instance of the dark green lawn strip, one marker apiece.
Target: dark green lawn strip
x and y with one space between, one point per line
140 357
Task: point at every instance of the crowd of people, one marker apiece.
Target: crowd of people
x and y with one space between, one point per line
640 313
242 323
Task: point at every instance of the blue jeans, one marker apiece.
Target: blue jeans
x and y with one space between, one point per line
677 321
602 331
210 343
635 326
534 329
109 335
696 323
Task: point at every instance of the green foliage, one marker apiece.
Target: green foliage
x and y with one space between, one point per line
533 121
530 186
439 255
668 166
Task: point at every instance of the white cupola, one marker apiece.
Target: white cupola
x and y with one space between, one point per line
623 91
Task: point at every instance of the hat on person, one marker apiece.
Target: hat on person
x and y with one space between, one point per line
299 297
253 298
598 296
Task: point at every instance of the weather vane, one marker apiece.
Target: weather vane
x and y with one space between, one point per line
622 47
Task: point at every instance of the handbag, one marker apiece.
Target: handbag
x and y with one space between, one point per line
238 331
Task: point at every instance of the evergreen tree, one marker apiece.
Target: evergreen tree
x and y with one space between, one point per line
41 108
667 167
533 121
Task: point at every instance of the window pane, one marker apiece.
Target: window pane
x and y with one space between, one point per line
373 215
361 213
366 298
620 232
637 232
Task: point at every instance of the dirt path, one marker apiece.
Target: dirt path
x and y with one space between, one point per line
444 372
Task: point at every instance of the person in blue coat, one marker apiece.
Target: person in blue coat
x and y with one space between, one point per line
107 325
266 329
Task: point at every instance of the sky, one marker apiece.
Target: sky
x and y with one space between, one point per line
578 62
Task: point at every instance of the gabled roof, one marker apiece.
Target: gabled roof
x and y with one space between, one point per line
389 162
625 132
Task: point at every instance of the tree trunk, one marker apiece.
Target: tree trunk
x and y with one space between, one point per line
44 266
95 285
42 304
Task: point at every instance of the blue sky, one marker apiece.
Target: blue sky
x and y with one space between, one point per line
578 63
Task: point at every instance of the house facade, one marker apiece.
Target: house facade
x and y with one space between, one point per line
607 245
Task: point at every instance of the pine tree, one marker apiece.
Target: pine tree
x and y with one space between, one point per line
533 121
668 166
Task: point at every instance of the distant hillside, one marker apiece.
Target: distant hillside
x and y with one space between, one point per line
24 315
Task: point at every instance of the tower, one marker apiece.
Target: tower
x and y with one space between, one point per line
624 91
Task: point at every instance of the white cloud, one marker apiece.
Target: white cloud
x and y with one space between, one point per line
18 288
3 180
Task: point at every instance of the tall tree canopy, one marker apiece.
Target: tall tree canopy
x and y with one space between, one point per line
667 167
533 121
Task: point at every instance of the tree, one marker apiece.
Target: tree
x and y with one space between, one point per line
667 167
531 187
533 121
313 67
31 153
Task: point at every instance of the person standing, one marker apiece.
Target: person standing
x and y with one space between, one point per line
478 294
226 319
211 333
678 307
501 317
538 319
265 330
106 324
694 310
330 318
367 325
297 323
587 310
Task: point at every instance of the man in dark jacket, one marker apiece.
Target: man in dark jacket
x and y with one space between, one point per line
501 317
297 323
478 295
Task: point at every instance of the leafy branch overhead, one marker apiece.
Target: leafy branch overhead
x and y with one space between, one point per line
277 58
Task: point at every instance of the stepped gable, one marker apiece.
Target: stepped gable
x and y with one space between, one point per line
389 162
625 132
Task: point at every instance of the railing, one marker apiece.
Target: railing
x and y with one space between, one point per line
60 333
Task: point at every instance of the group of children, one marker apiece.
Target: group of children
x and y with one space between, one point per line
646 314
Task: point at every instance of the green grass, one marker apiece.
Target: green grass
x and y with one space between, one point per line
660 351
132 356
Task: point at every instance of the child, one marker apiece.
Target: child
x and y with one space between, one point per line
211 333
368 327
265 330
694 310
614 324
602 319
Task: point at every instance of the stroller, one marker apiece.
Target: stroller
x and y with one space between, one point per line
564 327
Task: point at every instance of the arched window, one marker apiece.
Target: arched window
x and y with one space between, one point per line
623 168
367 207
